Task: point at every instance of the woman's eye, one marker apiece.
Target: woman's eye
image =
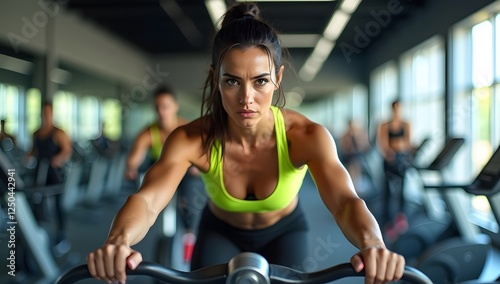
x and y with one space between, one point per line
261 81
231 82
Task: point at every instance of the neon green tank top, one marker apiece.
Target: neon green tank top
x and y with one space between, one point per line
289 181
156 143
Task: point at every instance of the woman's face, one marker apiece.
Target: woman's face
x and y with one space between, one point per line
247 81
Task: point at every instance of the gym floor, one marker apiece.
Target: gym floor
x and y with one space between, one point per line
88 227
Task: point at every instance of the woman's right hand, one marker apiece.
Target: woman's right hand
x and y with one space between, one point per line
108 263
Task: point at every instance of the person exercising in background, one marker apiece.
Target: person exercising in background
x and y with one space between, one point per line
253 156
354 144
151 140
394 140
53 148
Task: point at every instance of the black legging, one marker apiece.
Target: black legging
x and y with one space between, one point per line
283 243
394 200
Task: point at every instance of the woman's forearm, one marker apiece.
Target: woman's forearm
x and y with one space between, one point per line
132 222
359 226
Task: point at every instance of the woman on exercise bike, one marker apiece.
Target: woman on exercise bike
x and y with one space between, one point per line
253 156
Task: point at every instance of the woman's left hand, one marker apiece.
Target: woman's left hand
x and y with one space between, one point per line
380 264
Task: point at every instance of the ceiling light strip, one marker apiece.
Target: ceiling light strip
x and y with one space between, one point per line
216 9
333 30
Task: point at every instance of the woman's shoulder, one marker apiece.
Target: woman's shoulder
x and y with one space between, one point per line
298 124
192 129
186 140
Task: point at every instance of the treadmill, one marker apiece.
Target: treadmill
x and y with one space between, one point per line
425 227
445 156
463 258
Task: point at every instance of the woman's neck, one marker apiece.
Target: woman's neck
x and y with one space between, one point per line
253 136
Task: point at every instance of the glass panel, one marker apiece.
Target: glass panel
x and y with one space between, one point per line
112 119
64 112
12 110
482 149
422 94
384 90
3 107
482 54
497 47
33 108
495 118
89 118
481 145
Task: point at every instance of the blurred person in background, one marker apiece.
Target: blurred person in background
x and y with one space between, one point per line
354 144
150 140
394 140
52 148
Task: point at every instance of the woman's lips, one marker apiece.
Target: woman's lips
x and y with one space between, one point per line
247 113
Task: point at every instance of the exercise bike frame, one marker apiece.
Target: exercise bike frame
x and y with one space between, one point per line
254 265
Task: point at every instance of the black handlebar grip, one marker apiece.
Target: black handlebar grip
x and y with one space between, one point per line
211 275
285 275
217 274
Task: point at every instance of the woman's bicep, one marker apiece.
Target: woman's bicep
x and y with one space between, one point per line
160 183
164 176
332 179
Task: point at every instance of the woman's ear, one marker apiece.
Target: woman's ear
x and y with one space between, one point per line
279 76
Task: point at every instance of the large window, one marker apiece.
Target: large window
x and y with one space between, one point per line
476 101
336 110
112 119
422 92
9 108
88 118
384 89
64 108
33 110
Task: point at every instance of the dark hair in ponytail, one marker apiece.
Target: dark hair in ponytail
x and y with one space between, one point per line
242 28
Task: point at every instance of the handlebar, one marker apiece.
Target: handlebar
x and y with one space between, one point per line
243 268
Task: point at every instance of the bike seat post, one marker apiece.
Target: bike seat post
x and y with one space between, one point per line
248 268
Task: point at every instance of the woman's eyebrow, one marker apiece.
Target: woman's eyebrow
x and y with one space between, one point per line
236 77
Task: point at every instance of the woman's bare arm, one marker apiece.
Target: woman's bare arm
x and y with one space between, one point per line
350 212
140 211
337 191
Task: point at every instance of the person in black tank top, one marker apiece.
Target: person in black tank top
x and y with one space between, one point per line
393 138
52 147
46 148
